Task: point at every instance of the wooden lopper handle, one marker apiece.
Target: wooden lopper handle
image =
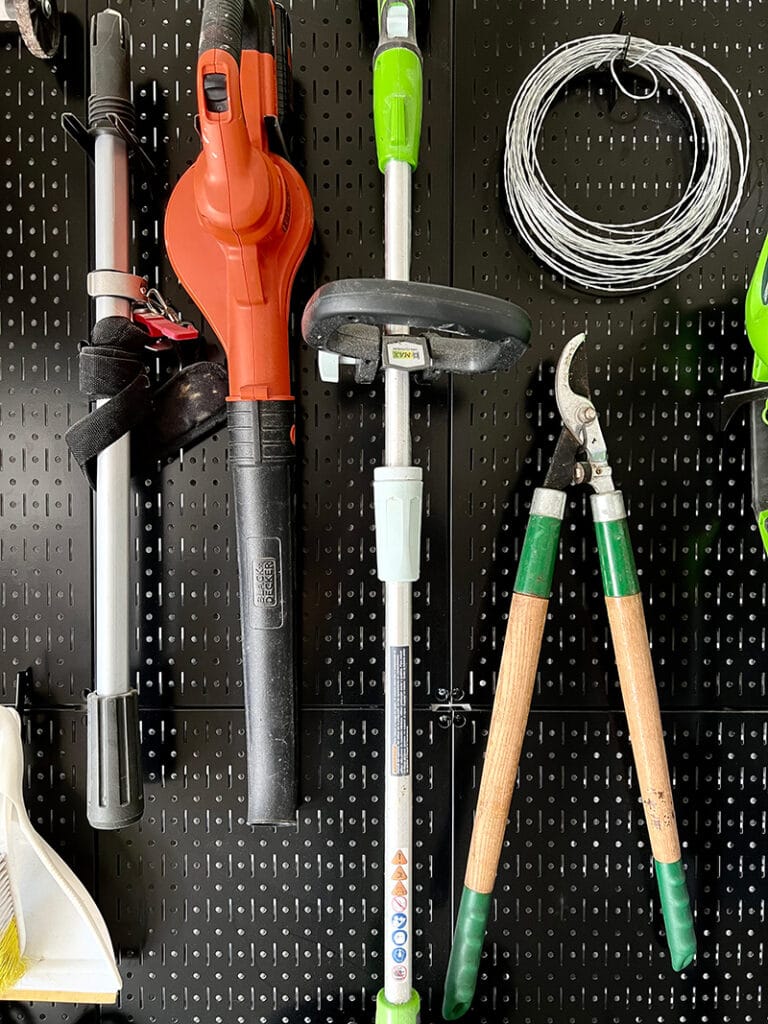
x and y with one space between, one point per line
641 703
512 702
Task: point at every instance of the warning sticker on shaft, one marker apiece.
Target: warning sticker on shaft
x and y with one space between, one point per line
400 702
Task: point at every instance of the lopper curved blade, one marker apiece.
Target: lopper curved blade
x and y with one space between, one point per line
578 413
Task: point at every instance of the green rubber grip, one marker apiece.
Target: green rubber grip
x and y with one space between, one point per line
537 560
397 106
617 563
397 1013
467 949
676 908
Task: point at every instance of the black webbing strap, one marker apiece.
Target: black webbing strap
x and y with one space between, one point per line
111 366
114 365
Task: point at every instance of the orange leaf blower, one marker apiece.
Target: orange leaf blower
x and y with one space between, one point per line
237 227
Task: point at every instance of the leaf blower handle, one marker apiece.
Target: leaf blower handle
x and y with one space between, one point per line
221 27
263 460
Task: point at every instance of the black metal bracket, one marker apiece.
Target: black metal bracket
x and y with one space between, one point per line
86 139
731 404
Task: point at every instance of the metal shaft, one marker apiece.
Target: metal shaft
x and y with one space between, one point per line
112 540
398 629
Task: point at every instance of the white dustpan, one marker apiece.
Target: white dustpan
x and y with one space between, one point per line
64 939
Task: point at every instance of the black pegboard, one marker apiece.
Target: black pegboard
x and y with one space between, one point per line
216 923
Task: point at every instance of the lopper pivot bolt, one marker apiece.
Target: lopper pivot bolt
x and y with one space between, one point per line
580 456
237 227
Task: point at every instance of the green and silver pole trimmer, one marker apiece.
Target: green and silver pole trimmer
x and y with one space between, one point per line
399 327
397 104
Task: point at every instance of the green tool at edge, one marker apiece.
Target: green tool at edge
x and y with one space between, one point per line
397 105
756 318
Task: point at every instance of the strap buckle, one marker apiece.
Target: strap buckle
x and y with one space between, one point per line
163 322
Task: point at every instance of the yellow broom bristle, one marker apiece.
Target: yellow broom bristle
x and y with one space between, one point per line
12 965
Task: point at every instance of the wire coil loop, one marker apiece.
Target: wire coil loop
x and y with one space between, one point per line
635 255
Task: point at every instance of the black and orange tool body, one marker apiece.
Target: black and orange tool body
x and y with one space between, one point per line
237 227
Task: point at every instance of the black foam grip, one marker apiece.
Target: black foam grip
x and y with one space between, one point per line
110 68
263 463
221 27
115 787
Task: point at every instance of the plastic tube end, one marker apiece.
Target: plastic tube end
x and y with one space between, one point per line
676 908
397 1013
464 964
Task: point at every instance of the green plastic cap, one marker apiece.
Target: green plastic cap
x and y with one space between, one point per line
676 908
397 1013
464 964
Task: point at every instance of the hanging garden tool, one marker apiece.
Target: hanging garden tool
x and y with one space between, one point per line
164 410
54 944
580 457
115 792
237 227
756 318
397 327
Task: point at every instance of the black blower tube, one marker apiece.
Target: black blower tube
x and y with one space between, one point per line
263 462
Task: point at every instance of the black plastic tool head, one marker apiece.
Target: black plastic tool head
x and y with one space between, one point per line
458 331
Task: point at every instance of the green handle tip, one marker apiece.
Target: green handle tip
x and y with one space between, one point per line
464 964
397 1013
676 908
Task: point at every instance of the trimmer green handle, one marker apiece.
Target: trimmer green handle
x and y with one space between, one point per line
517 675
397 85
638 687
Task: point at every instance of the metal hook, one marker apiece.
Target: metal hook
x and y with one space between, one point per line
625 51
157 303
615 75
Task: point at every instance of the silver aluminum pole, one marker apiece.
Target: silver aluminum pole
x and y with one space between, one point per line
112 558
398 632
115 791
